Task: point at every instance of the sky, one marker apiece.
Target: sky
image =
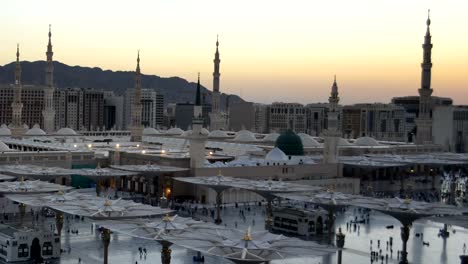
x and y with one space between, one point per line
270 50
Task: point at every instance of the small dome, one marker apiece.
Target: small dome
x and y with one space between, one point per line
205 131
245 136
217 134
150 131
276 154
272 137
343 142
66 132
366 141
175 131
35 131
188 133
308 141
290 143
5 131
4 147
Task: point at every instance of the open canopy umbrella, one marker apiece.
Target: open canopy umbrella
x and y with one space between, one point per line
250 247
30 187
34 171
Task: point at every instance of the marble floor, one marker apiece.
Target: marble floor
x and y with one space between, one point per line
123 249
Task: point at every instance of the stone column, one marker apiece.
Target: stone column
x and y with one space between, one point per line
405 231
105 237
22 211
340 240
59 222
166 252
269 215
219 200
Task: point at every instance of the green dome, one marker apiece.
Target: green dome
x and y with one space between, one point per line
290 143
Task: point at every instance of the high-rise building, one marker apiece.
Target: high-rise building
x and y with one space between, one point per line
93 110
284 116
113 111
250 116
450 127
424 121
152 107
317 118
49 107
380 121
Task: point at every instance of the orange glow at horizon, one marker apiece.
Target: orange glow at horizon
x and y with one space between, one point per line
270 50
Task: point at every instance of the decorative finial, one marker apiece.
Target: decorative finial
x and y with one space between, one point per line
334 79
17 52
217 42
138 56
248 236
428 21
50 30
198 76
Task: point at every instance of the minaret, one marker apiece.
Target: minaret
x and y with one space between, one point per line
424 120
216 119
332 134
197 139
49 110
137 129
17 107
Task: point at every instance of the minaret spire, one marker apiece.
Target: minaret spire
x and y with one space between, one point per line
332 133
198 94
48 113
216 119
16 105
18 67
424 121
136 128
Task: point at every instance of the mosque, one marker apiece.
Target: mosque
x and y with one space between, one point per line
346 165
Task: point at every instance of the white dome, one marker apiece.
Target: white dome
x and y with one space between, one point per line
5 131
245 136
217 134
366 141
272 137
66 132
4 147
150 131
205 131
308 141
343 142
35 131
188 133
175 131
276 154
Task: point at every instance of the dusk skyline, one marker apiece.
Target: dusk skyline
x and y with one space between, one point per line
269 51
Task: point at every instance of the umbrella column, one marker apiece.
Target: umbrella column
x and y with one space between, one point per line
405 231
269 214
22 211
166 252
59 222
340 240
105 237
219 200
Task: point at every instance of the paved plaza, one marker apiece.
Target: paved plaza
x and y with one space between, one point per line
86 244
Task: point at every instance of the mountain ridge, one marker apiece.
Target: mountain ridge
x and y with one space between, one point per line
175 89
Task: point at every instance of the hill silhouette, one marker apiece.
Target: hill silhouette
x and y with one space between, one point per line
174 89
